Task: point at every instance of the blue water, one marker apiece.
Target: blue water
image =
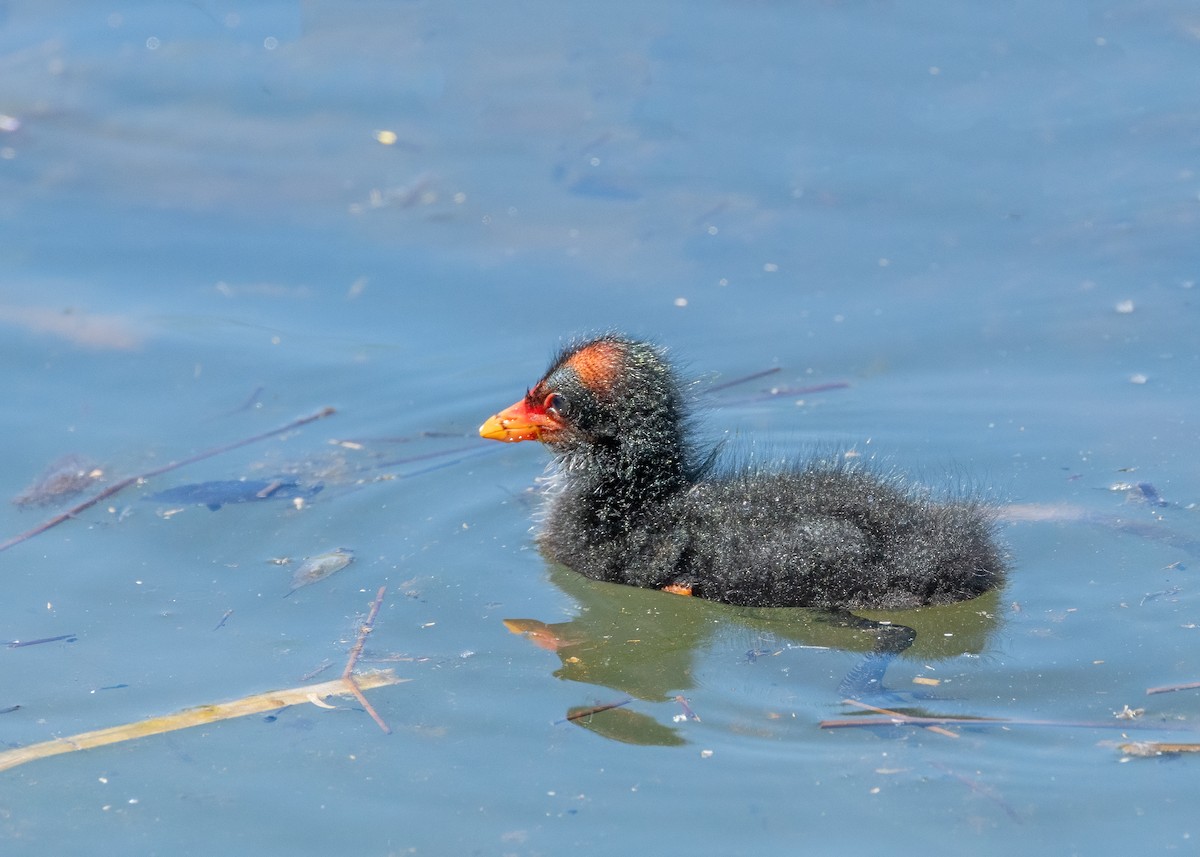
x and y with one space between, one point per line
976 221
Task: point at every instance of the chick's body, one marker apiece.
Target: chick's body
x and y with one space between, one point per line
632 502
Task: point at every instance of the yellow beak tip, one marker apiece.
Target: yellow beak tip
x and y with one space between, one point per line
497 428
492 429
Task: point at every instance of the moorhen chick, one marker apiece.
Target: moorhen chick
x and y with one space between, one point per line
632 501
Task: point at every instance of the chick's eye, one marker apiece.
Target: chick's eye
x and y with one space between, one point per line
554 405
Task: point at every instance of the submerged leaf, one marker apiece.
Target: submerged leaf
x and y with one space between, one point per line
320 567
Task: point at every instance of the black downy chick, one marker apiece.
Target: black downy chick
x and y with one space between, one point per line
633 502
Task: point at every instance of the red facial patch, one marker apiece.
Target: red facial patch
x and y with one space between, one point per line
598 365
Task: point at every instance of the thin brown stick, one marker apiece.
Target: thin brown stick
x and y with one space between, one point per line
125 483
20 644
808 389
363 631
355 652
425 456
725 385
1170 688
932 728
899 719
368 707
596 709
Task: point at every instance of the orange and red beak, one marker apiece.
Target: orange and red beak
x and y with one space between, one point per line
519 422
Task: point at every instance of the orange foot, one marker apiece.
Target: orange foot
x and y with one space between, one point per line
678 588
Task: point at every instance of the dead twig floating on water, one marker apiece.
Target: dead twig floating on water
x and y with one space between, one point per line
930 726
780 392
363 631
899 719
256 704
1143 749
1171 688
130 480
352 683
773 392
355 652
467 452
20 644
313 673
725 385
595 709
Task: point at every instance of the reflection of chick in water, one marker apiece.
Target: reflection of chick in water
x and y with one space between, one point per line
640 642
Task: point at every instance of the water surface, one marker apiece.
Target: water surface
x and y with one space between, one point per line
975 223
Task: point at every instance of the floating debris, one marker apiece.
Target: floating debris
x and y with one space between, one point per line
121 485
214 495
1140 492
199 716
578 712
1146 749
742 380
319 567
1150 596
316 671
20 644
1171 688
65 477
